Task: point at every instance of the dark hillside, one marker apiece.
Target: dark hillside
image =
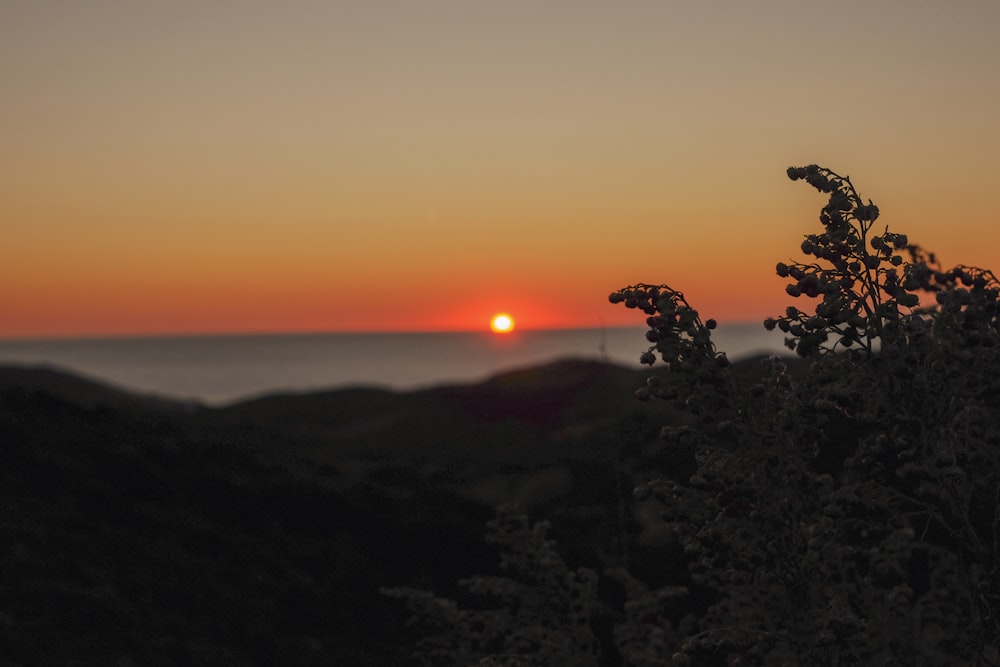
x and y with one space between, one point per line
141 531
82 391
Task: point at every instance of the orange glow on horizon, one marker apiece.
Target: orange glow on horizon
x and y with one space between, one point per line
422 169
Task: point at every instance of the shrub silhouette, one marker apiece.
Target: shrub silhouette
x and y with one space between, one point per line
544 614
844 513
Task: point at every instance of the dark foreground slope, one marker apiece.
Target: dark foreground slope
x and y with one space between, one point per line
140 531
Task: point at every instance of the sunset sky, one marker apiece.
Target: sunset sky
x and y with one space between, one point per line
210 166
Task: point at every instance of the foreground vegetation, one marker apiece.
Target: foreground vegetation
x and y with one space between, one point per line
842 511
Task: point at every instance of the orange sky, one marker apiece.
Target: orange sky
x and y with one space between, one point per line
194 167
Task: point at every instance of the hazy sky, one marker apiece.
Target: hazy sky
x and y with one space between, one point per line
225 166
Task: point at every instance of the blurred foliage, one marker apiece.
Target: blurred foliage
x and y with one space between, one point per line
540 613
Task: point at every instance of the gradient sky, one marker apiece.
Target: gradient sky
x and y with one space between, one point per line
244 166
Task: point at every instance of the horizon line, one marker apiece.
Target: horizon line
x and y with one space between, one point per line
314 332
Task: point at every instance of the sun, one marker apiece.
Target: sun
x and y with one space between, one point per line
502 323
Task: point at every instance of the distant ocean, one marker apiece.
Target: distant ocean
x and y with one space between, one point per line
223 369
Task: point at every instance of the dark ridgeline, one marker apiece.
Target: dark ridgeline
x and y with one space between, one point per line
143 531
219 370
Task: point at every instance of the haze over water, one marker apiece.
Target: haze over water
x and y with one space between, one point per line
223 369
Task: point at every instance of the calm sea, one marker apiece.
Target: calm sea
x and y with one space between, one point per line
223 369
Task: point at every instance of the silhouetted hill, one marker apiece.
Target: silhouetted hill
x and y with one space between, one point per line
507 417
82 391
139 530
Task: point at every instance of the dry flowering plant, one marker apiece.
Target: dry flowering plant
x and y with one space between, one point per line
847 513
844 507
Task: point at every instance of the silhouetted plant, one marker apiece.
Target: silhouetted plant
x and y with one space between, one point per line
844 513
850 514
867 286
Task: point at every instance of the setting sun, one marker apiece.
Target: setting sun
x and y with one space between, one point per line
502 323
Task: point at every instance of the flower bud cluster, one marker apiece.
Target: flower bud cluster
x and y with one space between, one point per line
684 342
854 273
676 330
968 301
